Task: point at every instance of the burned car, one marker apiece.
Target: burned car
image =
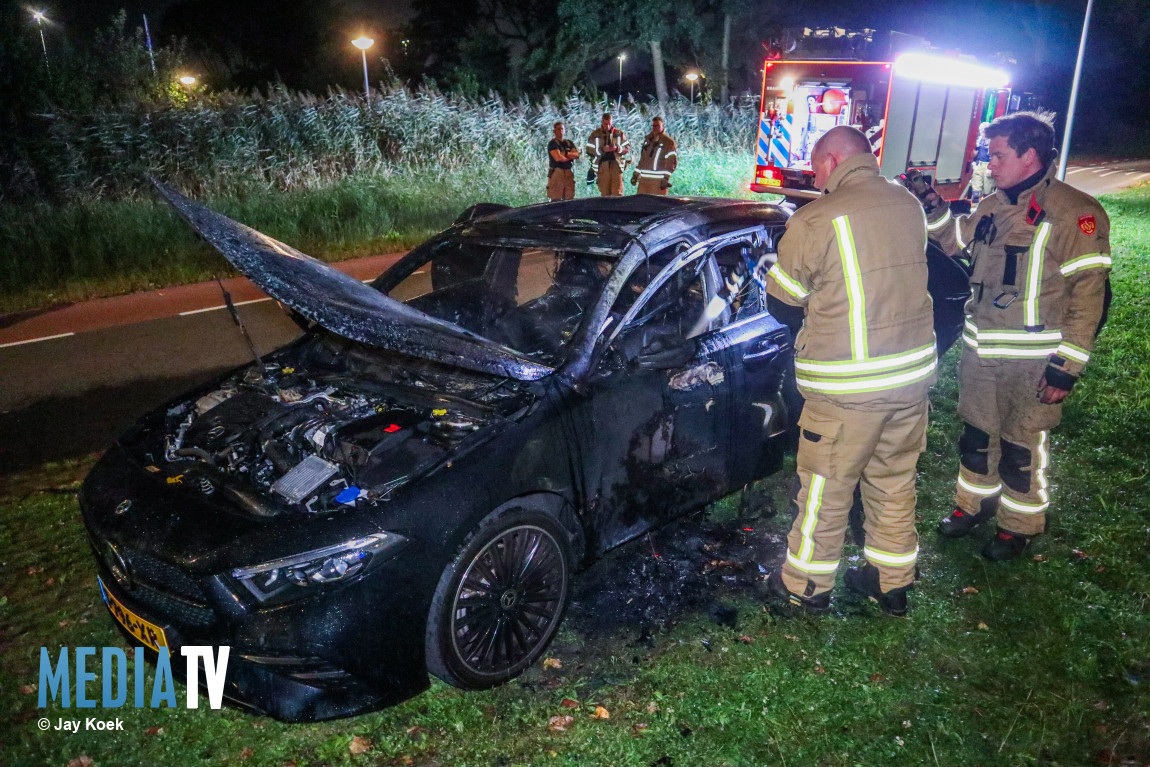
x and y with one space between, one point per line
411 484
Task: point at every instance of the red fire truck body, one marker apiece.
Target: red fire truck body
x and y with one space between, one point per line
918 111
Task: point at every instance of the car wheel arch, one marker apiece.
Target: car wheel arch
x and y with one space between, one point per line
551 503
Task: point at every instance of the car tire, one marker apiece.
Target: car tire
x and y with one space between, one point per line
499 603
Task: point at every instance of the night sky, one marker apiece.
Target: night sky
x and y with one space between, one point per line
1041 36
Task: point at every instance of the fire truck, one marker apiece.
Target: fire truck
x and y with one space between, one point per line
919 111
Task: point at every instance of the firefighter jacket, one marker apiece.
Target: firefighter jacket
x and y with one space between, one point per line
658 158
1040 260
856 259
600 138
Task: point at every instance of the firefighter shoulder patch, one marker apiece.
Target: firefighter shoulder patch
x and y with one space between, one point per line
1087 224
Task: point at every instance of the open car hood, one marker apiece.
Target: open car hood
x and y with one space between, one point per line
343 304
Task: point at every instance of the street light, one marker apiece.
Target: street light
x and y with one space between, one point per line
622 57
188 80
364 42
692 77
39 18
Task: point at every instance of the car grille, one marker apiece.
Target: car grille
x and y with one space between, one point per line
173 608
166 576
172 593
312 671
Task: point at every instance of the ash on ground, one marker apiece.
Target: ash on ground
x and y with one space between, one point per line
689 566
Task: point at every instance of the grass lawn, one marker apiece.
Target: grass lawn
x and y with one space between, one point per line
1042 661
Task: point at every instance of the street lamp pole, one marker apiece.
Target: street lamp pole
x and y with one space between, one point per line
39 17
1074 94
622 58
363 43
692 77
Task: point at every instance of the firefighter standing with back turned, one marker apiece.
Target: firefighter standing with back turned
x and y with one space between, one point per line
605 146
658 159
1040 254
855 259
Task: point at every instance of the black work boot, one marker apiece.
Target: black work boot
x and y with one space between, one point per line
777 591
1005 545
958 523
864 582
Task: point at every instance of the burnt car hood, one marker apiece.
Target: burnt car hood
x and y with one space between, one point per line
343 304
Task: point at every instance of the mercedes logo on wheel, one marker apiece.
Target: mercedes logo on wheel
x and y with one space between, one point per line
122 507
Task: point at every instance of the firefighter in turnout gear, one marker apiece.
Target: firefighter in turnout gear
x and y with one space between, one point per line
1039 252
855 260
657 161
606 146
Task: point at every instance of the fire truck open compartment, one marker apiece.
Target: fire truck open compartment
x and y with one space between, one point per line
918 112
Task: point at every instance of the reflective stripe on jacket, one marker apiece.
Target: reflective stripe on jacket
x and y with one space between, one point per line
856 259
600 138
658 158
1040 265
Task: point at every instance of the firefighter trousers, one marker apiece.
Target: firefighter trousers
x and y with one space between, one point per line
1004 449
838 449
610 179
560 184
653 186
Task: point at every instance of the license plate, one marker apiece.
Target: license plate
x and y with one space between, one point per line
147 633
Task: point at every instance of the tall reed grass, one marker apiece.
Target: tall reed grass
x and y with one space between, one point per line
336 177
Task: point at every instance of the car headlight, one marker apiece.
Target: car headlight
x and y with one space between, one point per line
289 577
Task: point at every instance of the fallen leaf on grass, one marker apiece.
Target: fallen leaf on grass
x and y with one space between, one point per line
982 626
970 590
416 732
552 663
1079 553
639 729
358 745
1100 728
35 570
877 678
652 707
791 637
1100 569
63 624
746 639
27 689
49 582
1100 706
820 670
568 703
154 731
1039 557
404 760
601 713
560 723
81 761
247 753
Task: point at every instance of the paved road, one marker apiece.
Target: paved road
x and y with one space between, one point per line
1109 178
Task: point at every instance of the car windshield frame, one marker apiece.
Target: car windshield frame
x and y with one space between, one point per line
423 257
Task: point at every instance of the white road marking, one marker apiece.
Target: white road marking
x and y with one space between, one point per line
1104 174
1141 176
223 306
36 340
1074 170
